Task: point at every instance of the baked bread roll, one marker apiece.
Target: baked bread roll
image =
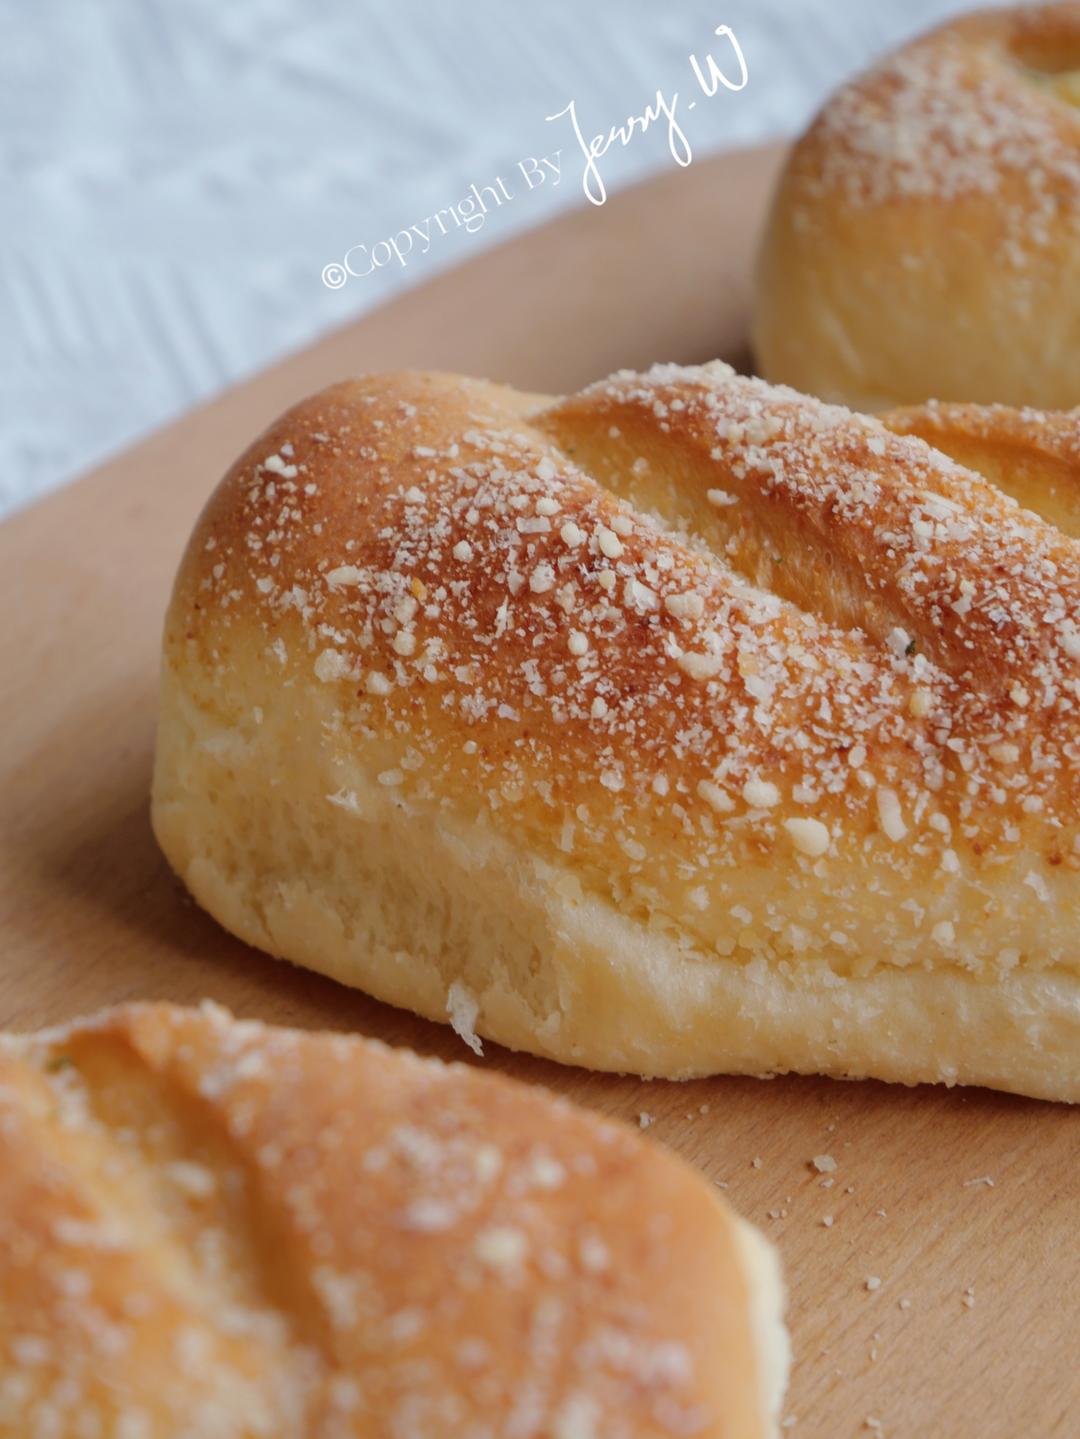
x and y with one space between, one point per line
925 235
213 1229
683 725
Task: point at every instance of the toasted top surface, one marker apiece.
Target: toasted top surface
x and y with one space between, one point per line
924 223
212 1228
674 629
985 105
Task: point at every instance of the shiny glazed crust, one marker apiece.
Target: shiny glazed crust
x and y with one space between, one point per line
214 1230
684 725
924 239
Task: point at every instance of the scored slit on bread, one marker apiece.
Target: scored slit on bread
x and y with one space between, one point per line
1033 455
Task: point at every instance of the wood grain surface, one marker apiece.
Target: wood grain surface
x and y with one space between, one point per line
963 1204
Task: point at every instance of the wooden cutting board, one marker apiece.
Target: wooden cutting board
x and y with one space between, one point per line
963 1204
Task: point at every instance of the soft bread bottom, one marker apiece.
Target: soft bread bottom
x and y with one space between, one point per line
299 852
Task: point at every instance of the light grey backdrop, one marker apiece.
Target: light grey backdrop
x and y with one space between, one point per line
174 174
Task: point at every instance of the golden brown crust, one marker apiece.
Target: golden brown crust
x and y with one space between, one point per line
1033 455
876 569
212 1228
748 671
919 235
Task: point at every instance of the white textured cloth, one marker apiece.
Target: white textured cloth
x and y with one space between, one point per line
174 177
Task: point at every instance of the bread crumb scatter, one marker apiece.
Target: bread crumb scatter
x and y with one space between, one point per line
824 1163
275 465
331 666
809 836
344 575
873 1282
715 797
720 498
502 1248
890 815
920 703
760 794
577 1419
462 1007
700 666
594 1254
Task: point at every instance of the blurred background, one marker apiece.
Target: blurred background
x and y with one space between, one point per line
175 174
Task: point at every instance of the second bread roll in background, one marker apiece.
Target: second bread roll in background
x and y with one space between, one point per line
924 240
